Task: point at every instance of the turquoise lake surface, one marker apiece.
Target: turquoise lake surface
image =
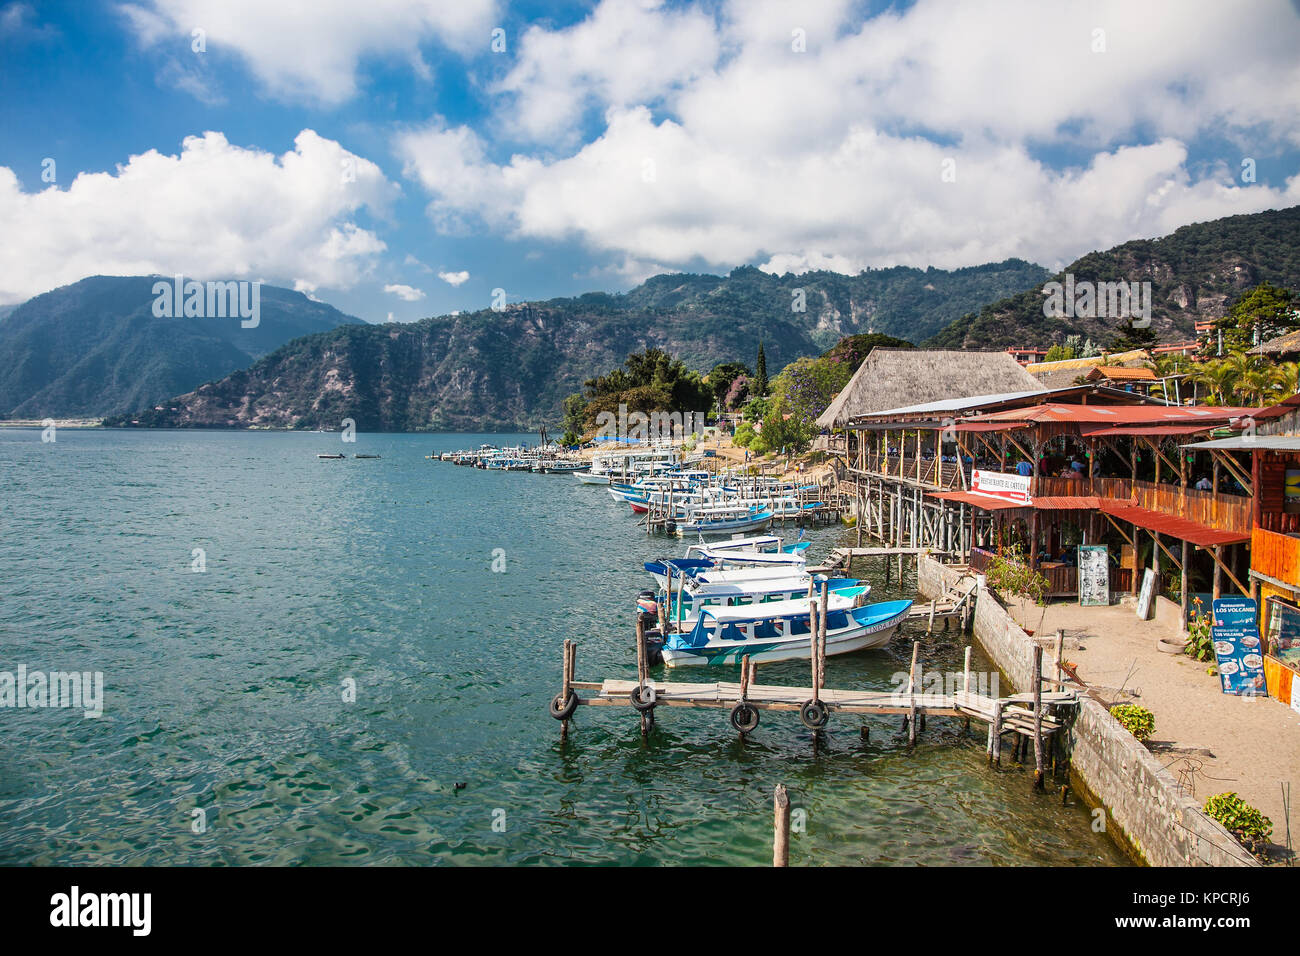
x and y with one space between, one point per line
224 688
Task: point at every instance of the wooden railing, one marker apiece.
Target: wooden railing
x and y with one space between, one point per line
1226 512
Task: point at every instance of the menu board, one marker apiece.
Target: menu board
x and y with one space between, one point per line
1094 575
1284 633
1235 632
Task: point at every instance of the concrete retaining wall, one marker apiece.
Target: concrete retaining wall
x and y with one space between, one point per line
1147 813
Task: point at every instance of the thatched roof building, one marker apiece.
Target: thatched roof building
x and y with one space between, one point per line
894 378
1284 346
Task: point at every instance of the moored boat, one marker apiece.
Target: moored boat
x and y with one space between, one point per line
776 632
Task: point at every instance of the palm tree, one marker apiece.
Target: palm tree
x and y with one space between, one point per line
1286 379
1217 377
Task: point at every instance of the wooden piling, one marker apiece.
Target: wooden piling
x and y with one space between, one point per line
911 694
814 630
996 731
821 636
1038 716
781 827
566 682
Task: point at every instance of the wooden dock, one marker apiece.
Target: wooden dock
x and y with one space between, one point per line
1032 718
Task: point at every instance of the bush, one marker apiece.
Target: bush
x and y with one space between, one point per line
1138 721
1240 819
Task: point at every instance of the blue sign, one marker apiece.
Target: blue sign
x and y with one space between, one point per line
1235 632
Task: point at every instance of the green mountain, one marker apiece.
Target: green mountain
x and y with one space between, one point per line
1195 274
96 348
508 369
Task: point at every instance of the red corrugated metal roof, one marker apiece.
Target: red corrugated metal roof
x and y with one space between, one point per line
1190 428
1121 414
987 502
986 426
1180 528
1067 502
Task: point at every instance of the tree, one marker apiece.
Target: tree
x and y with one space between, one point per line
759 388
575 408
721 379
1263 313
1129 337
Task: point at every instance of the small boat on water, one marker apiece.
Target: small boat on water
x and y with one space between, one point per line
684 605
780 631
587 478
367 456
332 457
724 519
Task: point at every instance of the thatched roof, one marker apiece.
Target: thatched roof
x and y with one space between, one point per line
894 378
1282 345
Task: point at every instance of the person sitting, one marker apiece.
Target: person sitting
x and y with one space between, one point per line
1076 465
1204 484
1024 469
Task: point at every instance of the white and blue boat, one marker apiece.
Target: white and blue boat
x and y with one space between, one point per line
780 631
724 519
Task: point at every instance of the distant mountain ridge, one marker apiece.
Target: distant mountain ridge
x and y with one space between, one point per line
95 347
512 369
1195 273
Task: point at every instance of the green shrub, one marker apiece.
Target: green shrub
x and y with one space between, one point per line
1200 646
1240 819
1138 721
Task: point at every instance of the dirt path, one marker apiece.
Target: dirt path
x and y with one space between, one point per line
1255 743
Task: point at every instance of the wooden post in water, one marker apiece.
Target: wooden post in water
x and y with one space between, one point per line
744 678
1038 716
781 827
821 635
814 628
996 731
911 694
640 651
566 679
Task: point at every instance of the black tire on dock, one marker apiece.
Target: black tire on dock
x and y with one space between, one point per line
646 703
561 709
814 714
744 717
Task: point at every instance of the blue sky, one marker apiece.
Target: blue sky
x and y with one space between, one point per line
373 154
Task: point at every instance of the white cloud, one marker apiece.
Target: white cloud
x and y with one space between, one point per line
213 210
627 52
404 292
454 278
312 49
833 157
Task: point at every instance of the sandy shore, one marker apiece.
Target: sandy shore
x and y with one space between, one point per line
1253 744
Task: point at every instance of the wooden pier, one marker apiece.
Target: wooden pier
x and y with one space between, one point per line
1033 718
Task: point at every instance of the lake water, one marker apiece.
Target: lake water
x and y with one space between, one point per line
224 688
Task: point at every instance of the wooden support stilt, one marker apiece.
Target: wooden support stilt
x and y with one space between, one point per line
996 731
566 682
781 827
814 631
911 693
1038 716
